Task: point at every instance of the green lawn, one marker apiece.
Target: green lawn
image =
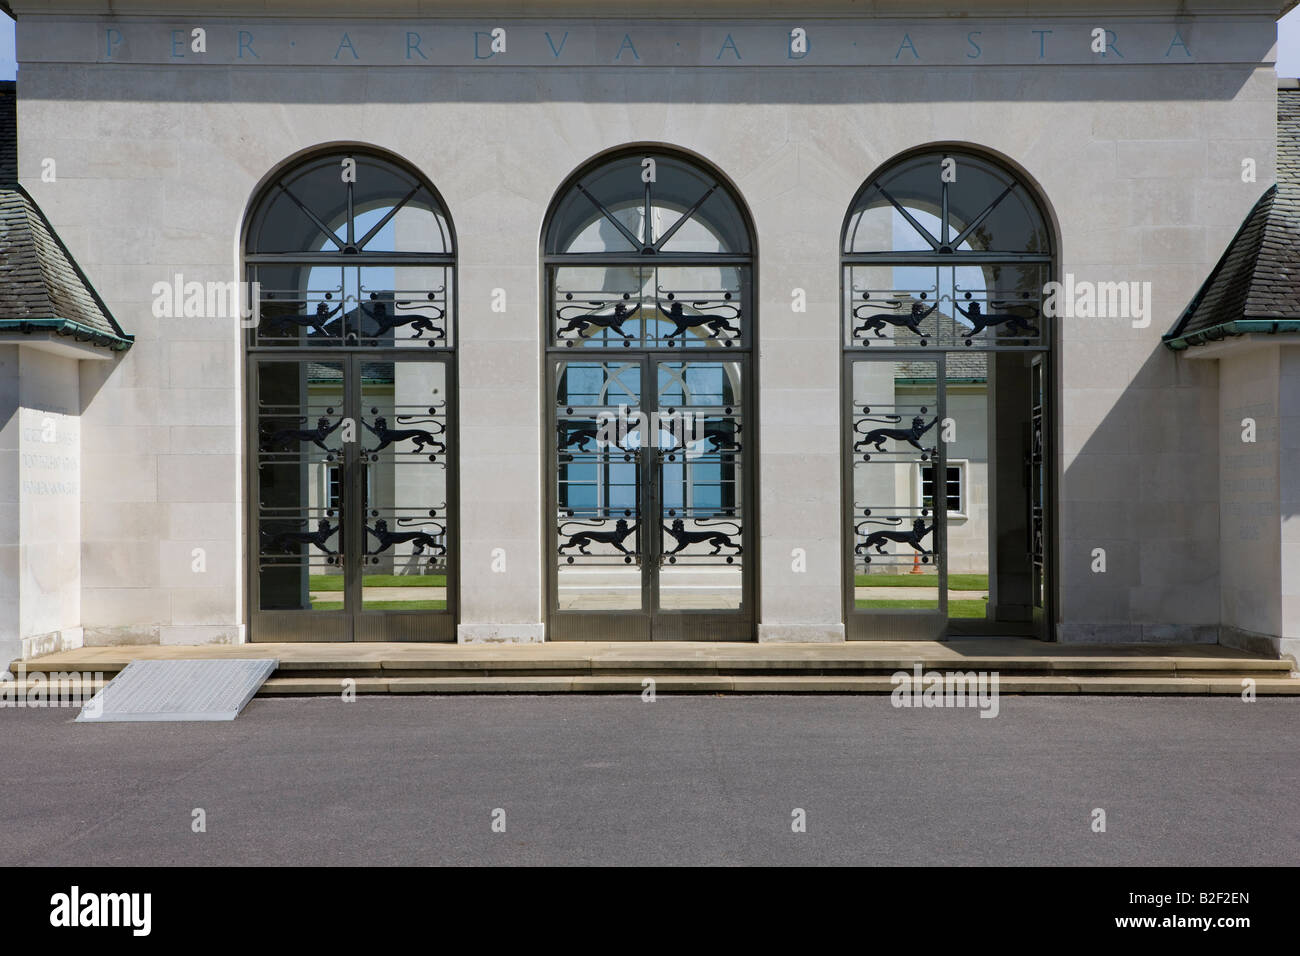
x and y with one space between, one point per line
384 606
955 608
334 582
956 582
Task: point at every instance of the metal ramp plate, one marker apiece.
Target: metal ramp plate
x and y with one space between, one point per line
179 690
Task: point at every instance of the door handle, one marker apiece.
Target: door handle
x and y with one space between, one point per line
653 539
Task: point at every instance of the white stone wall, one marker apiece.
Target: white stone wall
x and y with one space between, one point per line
49 474
41 513
1288 462
1260 507
1249 528
968 536
10 508
1140 164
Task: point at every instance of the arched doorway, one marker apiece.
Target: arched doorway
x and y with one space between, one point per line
947 384
648 332
350 420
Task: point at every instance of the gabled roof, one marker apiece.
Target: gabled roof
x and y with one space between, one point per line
41 287
1255 287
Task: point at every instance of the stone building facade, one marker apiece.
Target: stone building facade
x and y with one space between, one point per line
721 195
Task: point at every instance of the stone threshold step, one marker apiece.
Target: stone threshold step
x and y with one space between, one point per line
558 659
56 691
636 674
754 684
773 667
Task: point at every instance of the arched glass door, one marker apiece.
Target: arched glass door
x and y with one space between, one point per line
946 385
648 332
351 405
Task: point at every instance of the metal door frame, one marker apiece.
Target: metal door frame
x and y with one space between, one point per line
351 623
651 622
903 624
1044 618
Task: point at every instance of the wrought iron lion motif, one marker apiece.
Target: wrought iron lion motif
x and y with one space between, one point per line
878 436
877 539
286 541
418 539
286 436
385 323
714 322
589 536
389 436
1013 322
584 322
877 322
707 534
318 323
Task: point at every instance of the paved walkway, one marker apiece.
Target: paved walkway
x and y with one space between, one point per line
679 781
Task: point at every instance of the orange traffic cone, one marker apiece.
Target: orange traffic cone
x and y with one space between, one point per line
916 563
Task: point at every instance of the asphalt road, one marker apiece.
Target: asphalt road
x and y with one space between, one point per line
681 780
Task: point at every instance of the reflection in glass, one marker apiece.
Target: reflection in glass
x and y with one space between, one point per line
404 460
681 307
983 208
895 421
347 255
699 455
612 209
301 534
599 425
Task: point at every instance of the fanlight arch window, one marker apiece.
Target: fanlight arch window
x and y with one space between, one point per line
648 249
351 248
948 249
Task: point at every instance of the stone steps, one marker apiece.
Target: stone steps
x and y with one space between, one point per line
702 683
1023 667
760 684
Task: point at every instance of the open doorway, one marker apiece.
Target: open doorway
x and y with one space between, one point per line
947 386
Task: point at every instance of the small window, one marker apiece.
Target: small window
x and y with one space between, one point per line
954 491
334 488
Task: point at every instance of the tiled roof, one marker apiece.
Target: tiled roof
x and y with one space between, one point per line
41 287
970 366
380 373
966 366
1255 287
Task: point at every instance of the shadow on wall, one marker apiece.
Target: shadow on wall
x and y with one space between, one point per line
1139 495
95 375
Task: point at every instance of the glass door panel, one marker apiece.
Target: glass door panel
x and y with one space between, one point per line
699 461
404 485
897 533
649 477
350 492
299 495
601 432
